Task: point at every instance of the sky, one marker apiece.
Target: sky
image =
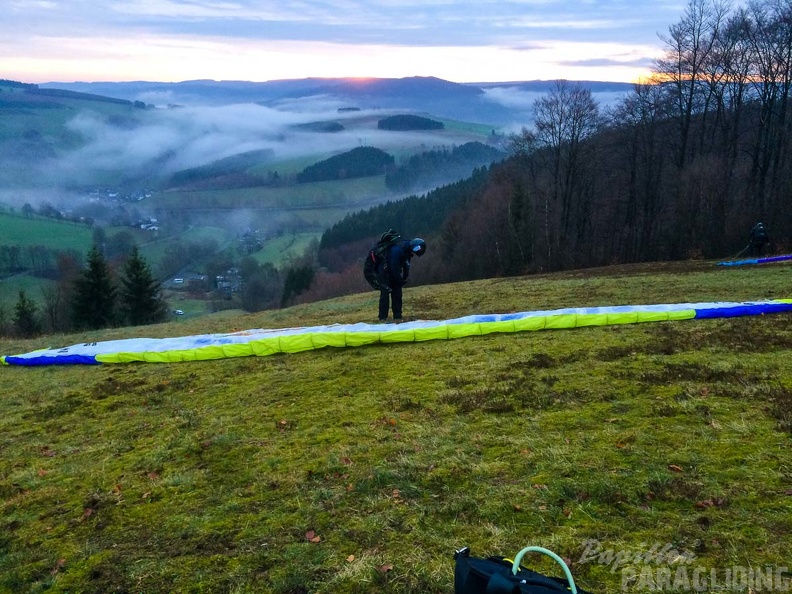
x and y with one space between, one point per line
255 40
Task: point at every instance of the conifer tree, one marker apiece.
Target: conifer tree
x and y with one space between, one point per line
142 301
25 321
94 299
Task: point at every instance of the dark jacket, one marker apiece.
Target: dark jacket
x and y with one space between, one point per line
395 267
759 235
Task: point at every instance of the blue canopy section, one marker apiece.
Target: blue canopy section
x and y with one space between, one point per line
756 261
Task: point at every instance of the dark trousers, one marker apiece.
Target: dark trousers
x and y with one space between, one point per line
393 297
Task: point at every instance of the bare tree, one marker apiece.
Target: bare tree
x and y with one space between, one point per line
638 121
689 45
769 30
564 119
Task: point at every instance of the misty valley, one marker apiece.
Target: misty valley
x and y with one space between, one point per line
209 193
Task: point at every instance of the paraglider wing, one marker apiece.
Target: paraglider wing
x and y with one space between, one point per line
262 342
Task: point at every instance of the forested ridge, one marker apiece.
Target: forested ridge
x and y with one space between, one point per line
361 161
682 167
436 167
409 122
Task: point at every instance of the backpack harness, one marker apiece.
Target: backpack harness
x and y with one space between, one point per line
377 254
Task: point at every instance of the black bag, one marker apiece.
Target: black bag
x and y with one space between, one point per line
376 255
496 575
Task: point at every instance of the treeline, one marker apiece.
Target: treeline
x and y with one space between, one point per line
323 127
433 168
90 297
682 167
38 260
34 89
409 122
65 94
417 215
4 82
362 161
236 165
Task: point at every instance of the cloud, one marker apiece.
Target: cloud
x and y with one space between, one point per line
177 138
459 40
512 98
599 62
425 22
170 140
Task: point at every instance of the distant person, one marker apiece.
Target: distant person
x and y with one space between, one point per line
393 271
759 239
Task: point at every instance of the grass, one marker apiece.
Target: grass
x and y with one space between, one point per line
309 195
361 470
32 286
278 250
24 231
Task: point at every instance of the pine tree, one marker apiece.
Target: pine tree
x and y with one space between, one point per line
141 295
94 300
25 321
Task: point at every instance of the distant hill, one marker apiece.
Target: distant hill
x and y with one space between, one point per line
223 173
487 103
362 161
36 128
434 168
35 96
320 127
409 122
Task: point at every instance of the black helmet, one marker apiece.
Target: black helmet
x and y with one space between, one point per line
417 246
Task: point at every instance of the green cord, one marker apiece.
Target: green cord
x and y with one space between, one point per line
551 554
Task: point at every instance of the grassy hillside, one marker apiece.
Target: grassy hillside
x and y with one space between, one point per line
301 196
48 116
16 229
278 250
362 469
32 286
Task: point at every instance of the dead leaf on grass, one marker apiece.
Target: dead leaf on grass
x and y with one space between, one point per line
714 502
675 468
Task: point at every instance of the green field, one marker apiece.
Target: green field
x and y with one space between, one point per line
190 307
289 246
11 286
154 250
16 229
357 470
358 191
